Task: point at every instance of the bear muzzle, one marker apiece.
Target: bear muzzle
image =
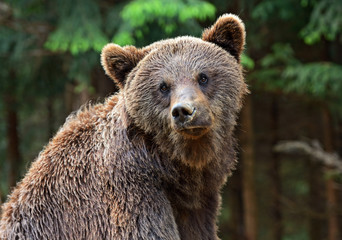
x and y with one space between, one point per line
190 120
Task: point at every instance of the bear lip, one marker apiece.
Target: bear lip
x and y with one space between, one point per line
193 131
195 128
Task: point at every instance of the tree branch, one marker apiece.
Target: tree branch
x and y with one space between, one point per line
313 150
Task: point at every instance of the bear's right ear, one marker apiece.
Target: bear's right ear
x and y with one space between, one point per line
118 62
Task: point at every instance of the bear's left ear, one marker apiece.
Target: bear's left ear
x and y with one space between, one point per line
229 33
118 62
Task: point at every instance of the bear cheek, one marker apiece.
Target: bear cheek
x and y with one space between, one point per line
148 113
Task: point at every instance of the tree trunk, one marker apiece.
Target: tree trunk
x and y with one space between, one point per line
315 200
248 181
274 172
339 195
13 154
235 206
333 230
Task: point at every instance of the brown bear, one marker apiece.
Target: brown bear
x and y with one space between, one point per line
150 161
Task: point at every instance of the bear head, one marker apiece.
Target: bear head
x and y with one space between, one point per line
184 92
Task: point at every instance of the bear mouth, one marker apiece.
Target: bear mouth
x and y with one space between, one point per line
193 132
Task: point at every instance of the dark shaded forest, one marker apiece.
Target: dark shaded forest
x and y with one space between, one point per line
288 182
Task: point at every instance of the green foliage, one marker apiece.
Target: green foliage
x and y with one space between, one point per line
282 54
167 15
319 80
325 20
140 12
282 9
85 61
247 62
269 74
14 52
79 28
124 37
79 70
112 20
282 71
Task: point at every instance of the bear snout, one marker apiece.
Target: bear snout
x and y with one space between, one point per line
183 112
190 120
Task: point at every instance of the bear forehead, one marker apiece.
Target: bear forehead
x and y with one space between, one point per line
189 46
187 53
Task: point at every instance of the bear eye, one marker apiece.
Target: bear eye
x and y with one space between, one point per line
164 88
202 79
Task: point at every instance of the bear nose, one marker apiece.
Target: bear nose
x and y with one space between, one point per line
182 112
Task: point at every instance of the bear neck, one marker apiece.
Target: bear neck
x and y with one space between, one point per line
217 146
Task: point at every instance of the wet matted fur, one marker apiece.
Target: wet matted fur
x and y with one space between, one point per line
150 161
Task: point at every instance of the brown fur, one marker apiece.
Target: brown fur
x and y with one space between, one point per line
229 33
127 168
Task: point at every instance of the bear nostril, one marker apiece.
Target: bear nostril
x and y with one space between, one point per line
182 112
175 113
186 111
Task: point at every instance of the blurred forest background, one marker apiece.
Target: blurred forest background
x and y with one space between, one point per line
50 66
